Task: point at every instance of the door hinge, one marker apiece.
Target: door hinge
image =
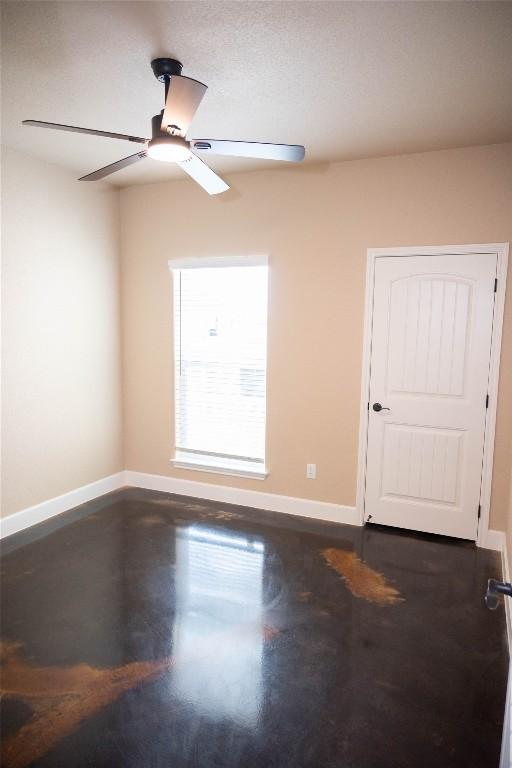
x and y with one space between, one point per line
487 401
495 284
479 510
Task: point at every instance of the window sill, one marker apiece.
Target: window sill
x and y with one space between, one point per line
217 469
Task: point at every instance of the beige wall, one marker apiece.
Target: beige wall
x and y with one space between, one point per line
508 528
61 419
509 522
61 411
502 475
316 223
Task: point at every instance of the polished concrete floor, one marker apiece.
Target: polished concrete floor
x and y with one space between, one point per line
146 630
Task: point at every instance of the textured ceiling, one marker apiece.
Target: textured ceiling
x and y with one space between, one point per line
346 79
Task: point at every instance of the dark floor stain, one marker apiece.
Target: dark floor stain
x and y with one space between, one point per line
222 514
151 520
203 511
63 697
186 506
362 580
60 698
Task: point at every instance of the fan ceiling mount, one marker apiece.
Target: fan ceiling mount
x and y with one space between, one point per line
163 68
169 142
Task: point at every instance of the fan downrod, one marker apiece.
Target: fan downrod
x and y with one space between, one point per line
164 68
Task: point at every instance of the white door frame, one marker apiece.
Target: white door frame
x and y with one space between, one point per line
501 250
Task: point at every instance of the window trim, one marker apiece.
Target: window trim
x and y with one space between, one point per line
218 469
208 262
216 466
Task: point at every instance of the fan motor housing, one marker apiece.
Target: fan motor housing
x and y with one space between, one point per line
156 125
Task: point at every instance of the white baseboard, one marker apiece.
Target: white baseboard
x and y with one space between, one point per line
505 759
493 540
317 510
46 509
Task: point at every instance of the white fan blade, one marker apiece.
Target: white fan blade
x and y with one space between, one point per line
113 167
91 131
290 152
183 98
204 175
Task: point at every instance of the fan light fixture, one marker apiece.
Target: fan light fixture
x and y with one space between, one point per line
169 149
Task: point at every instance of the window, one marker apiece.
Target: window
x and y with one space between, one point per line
220 343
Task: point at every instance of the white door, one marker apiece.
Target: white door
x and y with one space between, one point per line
430 352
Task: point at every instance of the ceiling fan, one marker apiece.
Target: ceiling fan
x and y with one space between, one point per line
183 96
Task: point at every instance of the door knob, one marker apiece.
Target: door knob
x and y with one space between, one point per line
378 407
495 588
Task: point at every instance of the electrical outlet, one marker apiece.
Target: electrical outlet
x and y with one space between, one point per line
311 471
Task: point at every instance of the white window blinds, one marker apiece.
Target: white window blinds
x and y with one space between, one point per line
220 342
